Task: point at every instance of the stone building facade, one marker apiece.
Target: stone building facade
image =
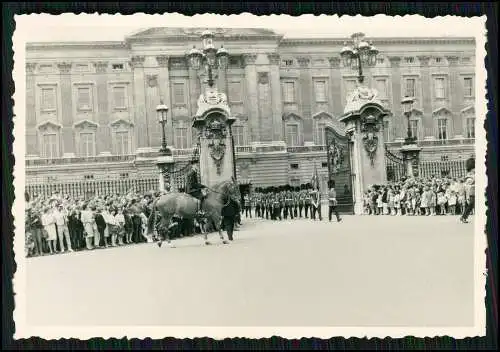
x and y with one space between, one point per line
90 106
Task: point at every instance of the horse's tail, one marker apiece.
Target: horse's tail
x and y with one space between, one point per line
152 218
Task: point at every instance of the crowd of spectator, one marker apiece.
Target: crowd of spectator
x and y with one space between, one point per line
422 197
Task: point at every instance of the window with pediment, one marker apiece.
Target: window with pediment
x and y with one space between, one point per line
86 131
293 130
239 134
415 124
320 121
50 145
442 124
49 140
469 122
121 133
410 87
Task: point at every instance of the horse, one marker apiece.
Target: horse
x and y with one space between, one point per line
184 206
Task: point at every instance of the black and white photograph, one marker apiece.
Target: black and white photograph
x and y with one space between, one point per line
249 176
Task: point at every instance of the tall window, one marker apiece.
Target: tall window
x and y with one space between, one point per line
320 134
179 96
48 100
470 127
381 86
119 98
292 135
439 90
234 92
468 87
181 137
442 129
410 84
238 135
350 85
387 134
49 145
122 143
289 92
414 129
320 91
84 100
87 144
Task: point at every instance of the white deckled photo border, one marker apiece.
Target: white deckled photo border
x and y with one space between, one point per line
28 23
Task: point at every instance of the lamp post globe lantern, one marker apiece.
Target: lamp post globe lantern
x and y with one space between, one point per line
407 104
358 54
195 56
162 114
222 57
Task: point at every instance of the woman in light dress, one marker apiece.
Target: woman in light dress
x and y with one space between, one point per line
49 224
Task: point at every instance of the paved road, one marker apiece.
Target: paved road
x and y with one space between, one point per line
365 271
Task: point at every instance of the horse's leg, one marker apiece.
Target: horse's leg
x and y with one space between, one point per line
218 224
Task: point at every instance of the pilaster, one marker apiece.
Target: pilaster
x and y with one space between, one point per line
456 95
252 98
140 123
104 141
335 89
427 122
265 108
164 91
68 140
397 123
274 71
31 132
305 82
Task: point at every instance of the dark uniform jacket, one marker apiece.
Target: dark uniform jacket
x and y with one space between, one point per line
231 209
192 183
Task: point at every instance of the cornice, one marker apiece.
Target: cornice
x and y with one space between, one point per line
38 46
380 41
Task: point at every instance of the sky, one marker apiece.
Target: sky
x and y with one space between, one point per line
70 27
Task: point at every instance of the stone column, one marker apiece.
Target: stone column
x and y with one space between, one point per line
103 138
335 88
31 132
427 123
305 82
222 80
141 125
265 108
398 125
274 72
252 96
152 100
165 91
68 145
195 90
455 94
357 171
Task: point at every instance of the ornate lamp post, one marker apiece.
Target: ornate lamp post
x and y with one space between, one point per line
359 54
407 104
210 57
162 113
410 149
165 161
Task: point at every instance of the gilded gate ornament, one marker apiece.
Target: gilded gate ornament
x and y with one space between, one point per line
216 133
369 126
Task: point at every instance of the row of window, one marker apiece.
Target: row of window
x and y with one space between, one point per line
78 67
381 85
182 138
381 60
119 94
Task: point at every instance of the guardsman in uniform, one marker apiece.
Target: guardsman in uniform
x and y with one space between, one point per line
300 200
316 204
288 204
257 202
332 202
307 203
295 195
247 205
277 206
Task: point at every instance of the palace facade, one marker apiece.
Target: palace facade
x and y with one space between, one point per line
90 106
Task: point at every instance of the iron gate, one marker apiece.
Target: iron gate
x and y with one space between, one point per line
394 166
339 168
